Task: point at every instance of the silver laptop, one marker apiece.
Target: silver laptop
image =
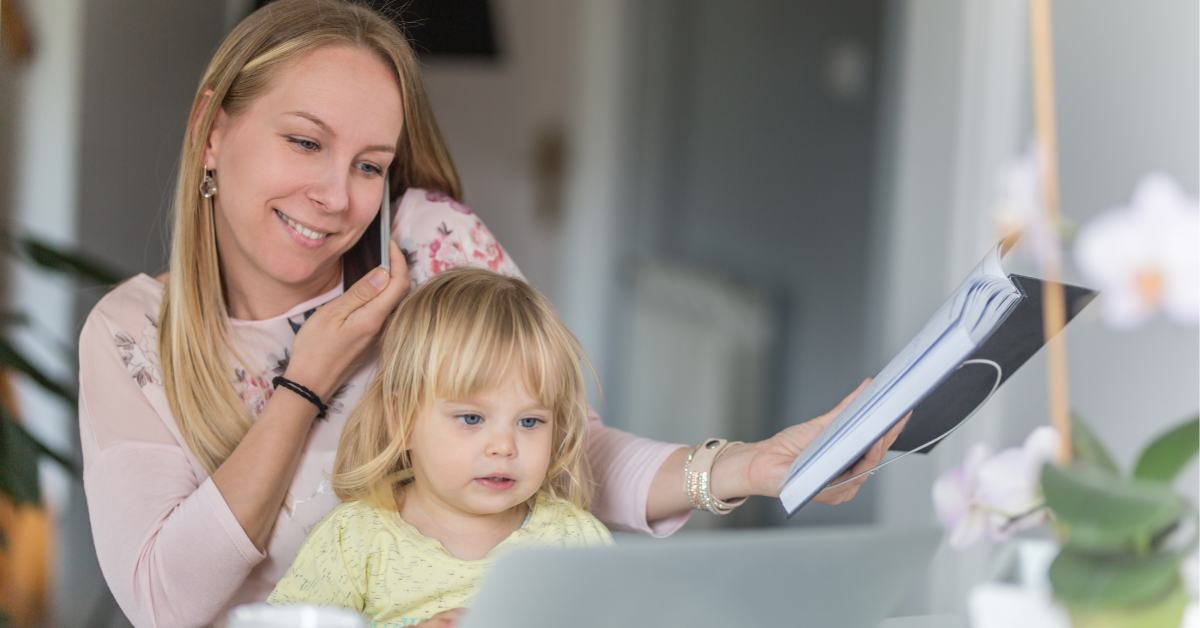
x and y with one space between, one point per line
831 578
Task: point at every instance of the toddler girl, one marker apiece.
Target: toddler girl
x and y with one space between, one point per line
469 441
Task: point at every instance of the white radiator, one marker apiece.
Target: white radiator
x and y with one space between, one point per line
696 356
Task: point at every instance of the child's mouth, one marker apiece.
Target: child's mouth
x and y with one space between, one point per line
496 482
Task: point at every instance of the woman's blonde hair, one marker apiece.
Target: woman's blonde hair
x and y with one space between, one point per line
194 346
460 333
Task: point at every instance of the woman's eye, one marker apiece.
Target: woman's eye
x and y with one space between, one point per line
470 419
370 169
305 143
529 422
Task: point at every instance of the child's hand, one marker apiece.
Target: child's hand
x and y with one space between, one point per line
444 619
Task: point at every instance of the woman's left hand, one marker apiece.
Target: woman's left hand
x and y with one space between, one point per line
778 452
758 468
762 465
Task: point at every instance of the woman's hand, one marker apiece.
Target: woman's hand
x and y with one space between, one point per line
758 468
444 619
775 455
335 337
761 466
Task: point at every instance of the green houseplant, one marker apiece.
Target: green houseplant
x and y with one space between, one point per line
20 450
1124 535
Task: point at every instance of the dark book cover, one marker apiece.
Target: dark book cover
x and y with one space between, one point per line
1015 340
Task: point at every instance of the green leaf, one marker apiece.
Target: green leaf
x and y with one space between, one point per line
46 255
1092 580
1164 458
1088 447
25 438
18 465
1102 513
10 357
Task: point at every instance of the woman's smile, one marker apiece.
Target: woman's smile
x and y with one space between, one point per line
304 236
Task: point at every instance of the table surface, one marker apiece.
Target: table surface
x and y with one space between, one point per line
926 621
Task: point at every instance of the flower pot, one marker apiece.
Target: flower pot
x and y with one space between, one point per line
1165 613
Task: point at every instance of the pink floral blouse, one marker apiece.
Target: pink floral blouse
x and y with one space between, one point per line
170 549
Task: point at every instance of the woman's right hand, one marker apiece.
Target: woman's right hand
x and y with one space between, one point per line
335 337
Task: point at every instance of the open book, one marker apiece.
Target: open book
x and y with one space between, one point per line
991 320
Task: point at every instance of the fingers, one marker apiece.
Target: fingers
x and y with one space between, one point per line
828 417
849 398
377 293
894 433
397 284
868 461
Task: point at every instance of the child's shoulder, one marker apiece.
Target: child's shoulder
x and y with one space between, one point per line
356 517
566 523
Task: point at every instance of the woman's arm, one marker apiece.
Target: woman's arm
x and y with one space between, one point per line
170 549
175 547
254 479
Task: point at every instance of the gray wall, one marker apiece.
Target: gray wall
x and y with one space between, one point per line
753 165
142 63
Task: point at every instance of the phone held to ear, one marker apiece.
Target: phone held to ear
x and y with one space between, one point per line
385 225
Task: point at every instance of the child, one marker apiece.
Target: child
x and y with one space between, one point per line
469 441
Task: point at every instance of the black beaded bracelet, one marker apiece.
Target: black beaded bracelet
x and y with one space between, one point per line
303 392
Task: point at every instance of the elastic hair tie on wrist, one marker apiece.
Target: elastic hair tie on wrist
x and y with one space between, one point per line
303 392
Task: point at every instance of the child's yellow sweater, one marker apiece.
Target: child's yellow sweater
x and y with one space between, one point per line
368 559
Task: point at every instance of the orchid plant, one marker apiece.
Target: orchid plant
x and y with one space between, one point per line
1124 535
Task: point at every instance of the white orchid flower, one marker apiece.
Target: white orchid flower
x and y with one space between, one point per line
1019 208
997 495
1145 256
954 499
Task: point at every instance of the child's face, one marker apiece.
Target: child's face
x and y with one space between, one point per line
485 454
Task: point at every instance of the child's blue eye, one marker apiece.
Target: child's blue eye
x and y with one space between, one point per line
470 419
529 422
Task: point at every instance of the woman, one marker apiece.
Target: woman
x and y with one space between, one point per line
201 478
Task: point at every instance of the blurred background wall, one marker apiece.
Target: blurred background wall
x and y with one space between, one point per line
796 185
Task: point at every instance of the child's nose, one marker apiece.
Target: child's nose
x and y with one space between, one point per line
502 444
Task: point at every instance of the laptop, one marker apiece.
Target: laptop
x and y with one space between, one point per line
846 577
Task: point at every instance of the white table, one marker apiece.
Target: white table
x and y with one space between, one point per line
926 621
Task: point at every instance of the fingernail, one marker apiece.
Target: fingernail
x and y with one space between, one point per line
378 278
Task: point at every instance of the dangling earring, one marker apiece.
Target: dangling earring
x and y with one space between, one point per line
208 186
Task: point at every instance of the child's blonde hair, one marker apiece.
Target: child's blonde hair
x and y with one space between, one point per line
457 335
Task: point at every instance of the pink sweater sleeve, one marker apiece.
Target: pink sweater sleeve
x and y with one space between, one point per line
170 549
624 465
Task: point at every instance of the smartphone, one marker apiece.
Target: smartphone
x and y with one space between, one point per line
385 225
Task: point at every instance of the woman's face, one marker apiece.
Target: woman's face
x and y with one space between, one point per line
300 172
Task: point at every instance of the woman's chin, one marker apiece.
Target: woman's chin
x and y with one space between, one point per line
303 272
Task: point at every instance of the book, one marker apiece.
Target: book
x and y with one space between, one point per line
987 328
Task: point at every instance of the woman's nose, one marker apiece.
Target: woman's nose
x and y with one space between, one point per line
331 190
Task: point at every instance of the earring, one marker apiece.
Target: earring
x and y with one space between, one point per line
208 186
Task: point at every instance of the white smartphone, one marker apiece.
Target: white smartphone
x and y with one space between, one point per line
385 225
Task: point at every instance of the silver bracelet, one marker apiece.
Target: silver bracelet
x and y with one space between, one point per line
696 475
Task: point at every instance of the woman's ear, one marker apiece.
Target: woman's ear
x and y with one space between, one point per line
214 132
